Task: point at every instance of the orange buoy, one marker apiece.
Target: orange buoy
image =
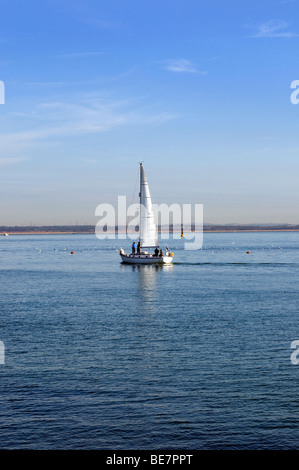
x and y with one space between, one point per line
248 251
72 252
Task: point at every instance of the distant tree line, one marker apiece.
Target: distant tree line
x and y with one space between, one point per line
171 228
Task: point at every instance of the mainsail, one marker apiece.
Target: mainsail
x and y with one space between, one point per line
147 231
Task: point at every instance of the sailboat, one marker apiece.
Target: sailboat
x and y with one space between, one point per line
148 234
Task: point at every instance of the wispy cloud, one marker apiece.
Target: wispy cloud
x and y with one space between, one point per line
99 22
182 66
257 152
45 84
10 161
78 55
93 81
92 14
89 160
50 122
273 29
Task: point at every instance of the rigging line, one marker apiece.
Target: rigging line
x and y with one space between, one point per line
132 199
135 186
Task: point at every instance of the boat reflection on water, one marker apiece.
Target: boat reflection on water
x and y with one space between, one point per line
148 280
147 271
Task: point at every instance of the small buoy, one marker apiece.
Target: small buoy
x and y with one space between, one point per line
72 252
248 251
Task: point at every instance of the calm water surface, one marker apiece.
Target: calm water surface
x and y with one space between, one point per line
100 355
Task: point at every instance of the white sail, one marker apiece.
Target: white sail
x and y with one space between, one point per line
147 231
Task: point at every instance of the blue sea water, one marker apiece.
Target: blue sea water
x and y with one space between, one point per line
196 355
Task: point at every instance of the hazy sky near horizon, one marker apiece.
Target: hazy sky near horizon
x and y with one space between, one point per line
199 90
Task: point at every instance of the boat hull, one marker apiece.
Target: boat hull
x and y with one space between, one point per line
145 259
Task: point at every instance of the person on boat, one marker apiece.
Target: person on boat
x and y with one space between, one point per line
156 251
161 253
138 247
133 248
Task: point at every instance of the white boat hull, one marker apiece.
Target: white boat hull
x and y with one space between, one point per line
145 259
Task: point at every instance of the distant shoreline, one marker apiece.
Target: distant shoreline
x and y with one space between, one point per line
121 229
79 232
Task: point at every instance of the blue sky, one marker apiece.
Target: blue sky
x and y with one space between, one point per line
197 89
